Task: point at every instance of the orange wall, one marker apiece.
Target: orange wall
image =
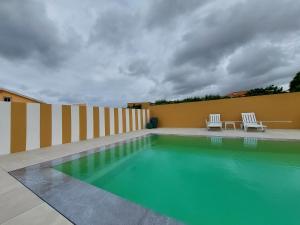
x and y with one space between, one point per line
281 107
15 98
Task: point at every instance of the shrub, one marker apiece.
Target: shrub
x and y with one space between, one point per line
295 83
265 91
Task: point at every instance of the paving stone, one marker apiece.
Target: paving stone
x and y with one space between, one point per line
16 201
39 215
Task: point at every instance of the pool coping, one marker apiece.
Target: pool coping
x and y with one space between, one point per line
69 196
230 133
229 137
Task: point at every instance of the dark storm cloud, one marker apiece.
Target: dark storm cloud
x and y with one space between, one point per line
164 12
114 27
256 60
111 52
186 81
224 31
26 32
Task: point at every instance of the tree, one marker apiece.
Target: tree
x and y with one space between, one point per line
265 91
295 83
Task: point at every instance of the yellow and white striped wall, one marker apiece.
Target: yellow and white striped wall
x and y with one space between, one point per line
27 126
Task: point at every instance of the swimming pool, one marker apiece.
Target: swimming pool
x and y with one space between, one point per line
201 180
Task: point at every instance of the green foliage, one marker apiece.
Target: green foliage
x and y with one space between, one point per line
161 102
265 91
295 83
190 99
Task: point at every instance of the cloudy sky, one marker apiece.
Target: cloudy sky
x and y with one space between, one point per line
109 52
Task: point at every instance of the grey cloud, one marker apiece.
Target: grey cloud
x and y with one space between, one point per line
108 92
136 68
222 32
114 27
164 12
77 99
277 76
145 50
26 32
256 60
188 80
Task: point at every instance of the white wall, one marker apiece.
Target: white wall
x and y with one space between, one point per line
56 124
89 122
133 120
127 121
74 123
112 121
101 121
120 120
5 126
32 126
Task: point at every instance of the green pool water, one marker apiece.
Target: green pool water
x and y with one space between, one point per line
201 180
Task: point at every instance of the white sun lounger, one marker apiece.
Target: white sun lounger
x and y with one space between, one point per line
249 121
214 121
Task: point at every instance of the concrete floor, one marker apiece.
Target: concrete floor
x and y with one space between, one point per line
18 205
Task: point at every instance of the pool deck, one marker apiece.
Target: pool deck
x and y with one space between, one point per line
18 205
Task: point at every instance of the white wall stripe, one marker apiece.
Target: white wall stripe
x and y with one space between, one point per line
127 120
139 119
148 115
133 120
89 122
112 121
32 126
5 118
102 122
120 120
74 123
144 119
56 124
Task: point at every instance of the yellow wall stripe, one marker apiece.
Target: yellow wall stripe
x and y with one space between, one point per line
130 120
124 120
136 119
96 121
66 124
82 122
18 127
116 115
142 119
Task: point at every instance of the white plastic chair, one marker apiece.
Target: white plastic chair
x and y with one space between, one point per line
214 121
249 121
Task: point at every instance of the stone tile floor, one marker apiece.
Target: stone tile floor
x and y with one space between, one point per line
18 205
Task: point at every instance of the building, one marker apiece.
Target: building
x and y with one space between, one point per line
237 94
12 96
